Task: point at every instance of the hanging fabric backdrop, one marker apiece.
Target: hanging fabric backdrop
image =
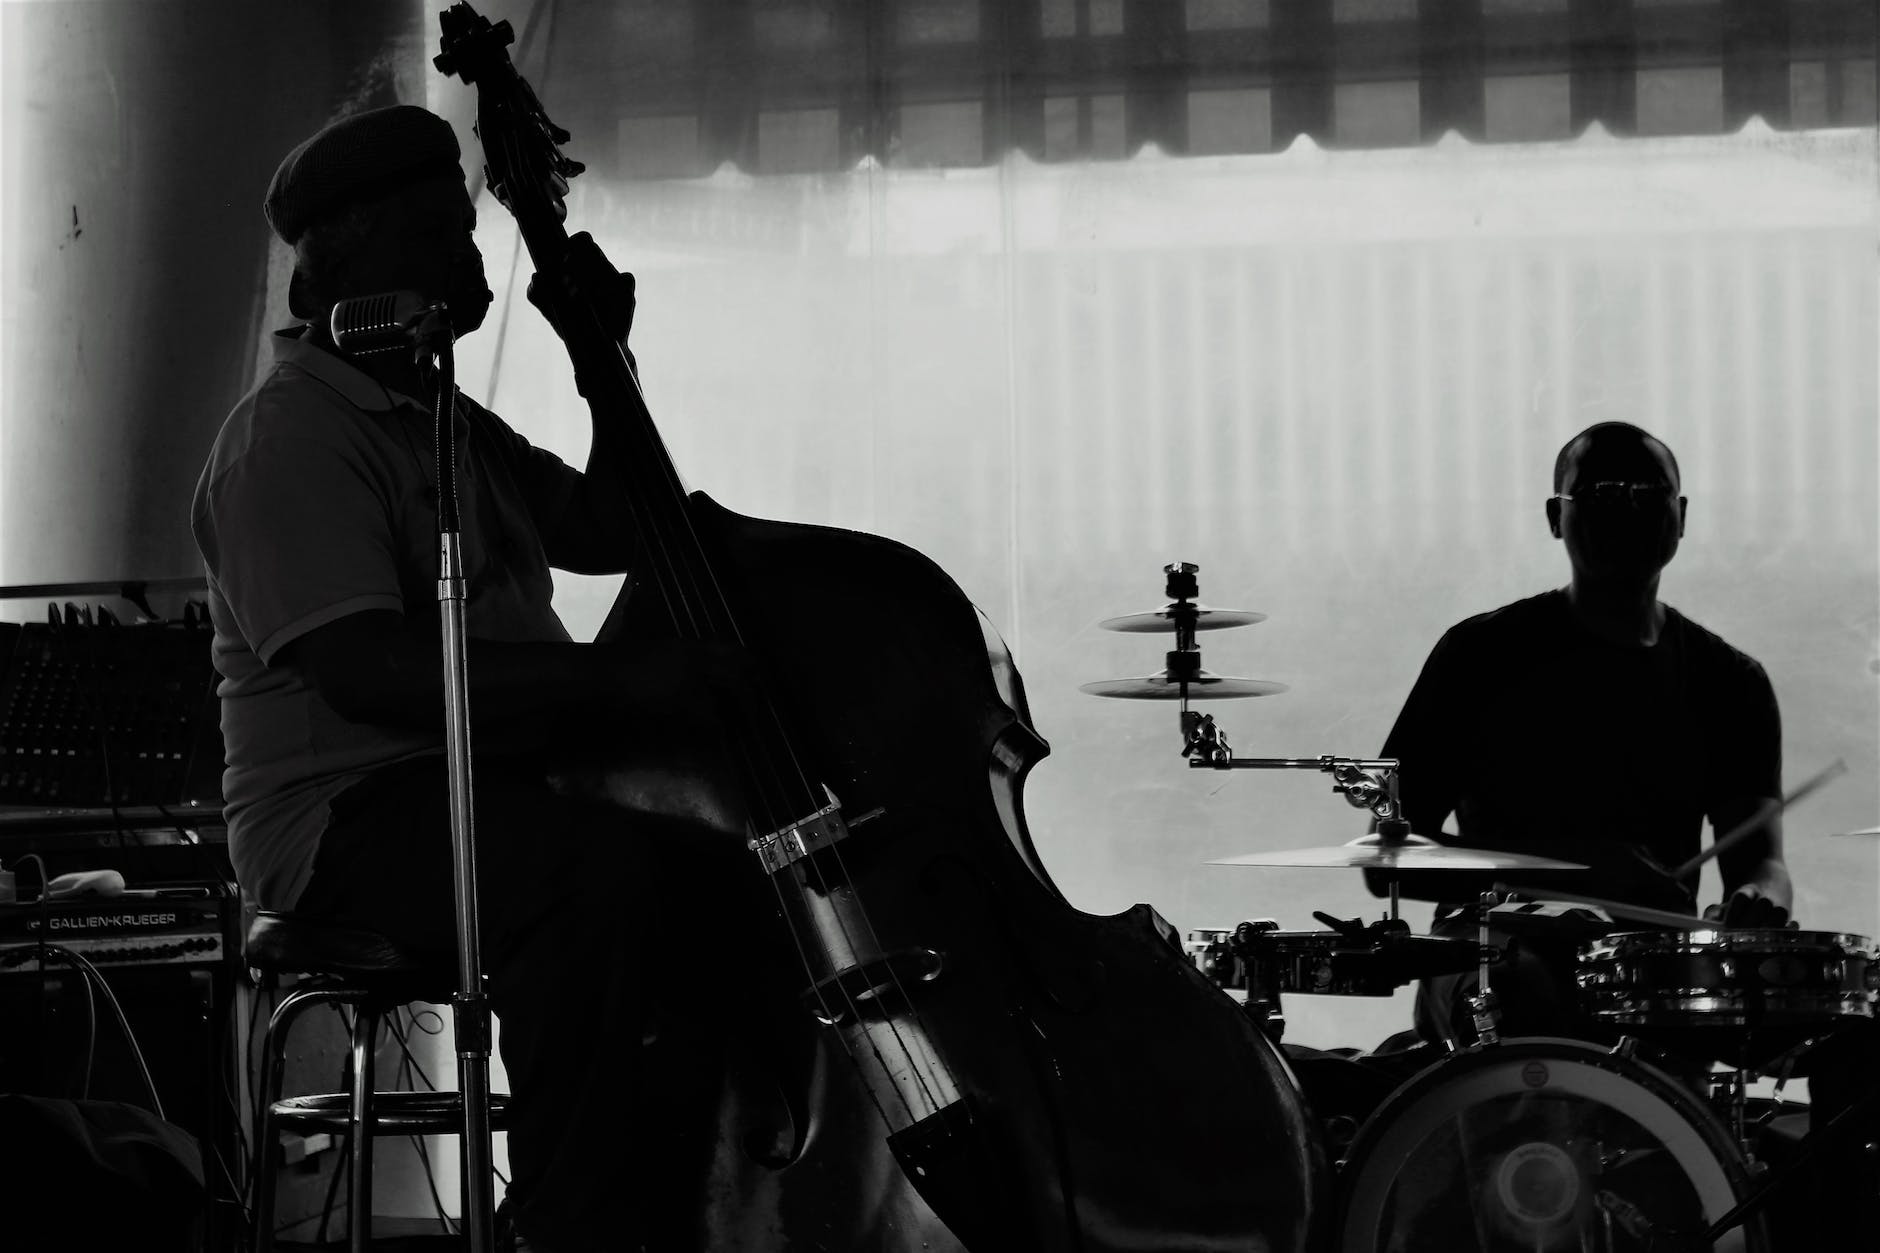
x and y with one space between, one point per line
1336 378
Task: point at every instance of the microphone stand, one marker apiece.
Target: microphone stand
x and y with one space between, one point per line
470 1011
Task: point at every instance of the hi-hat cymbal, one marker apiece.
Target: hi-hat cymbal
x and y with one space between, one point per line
1163 619
1413 852
1201 686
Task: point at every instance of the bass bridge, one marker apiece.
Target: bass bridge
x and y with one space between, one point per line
790 844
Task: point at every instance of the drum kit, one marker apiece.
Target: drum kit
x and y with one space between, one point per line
1537 1143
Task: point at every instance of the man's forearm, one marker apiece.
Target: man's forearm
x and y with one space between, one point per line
597 534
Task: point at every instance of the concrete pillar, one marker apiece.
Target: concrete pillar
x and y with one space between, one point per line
136 141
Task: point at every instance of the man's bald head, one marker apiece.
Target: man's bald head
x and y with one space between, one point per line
1617 505
1605 437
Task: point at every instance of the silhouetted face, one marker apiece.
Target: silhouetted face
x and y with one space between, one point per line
423 242
1622 517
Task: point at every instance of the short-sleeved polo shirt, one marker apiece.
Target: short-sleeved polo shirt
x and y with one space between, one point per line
319 501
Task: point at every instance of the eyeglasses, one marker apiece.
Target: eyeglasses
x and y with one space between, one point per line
1637 495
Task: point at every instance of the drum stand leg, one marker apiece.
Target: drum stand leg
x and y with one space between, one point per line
1844 1126
1729 1091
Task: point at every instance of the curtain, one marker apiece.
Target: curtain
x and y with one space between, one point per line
1336 379
781 86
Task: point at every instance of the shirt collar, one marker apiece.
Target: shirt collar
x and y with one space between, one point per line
359 388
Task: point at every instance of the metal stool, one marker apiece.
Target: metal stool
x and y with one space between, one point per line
343 966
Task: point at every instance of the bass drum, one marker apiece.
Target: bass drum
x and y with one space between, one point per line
1537 1145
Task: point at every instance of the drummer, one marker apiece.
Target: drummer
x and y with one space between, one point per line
1594 724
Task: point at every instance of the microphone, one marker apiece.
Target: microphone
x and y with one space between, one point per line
388 320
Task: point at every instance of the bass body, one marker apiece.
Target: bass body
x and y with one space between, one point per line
1104 1096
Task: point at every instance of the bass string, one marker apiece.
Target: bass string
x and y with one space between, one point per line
690 605
682 608
697 587
916 1063
686 607
689 613
679 557
921 1064
683 611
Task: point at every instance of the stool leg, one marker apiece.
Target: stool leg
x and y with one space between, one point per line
267 1151
365 1036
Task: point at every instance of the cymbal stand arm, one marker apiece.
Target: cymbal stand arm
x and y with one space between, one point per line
1365 782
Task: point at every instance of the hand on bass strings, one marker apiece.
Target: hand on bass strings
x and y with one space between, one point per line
1748 907
585 279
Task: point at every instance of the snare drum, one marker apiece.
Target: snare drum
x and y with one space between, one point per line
1540 1145
1742 996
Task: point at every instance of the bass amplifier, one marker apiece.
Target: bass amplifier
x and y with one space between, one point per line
180 925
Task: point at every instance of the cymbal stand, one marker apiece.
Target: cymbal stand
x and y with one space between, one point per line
1184 660
470 1011
1484 1008
1365 782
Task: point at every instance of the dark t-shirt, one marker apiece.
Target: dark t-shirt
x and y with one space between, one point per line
1540 737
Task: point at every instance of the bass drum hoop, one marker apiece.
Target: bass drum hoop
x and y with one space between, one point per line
1702 1147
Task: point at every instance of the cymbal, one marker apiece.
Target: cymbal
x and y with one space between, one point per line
1414 852
1862 831
1201 686
1163 619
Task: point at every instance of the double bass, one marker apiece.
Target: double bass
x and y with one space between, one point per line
945 1053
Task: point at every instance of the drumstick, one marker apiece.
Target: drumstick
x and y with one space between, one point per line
1756 821
1618 909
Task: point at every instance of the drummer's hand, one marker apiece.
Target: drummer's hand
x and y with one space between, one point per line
1748 907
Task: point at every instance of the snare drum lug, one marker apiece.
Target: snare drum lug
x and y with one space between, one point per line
1627 1047
1485 1010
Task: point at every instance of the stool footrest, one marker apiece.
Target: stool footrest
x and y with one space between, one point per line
393 1113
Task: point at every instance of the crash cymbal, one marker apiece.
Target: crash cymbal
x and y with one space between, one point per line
1862 831
1164 619
1201 686
1413 852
